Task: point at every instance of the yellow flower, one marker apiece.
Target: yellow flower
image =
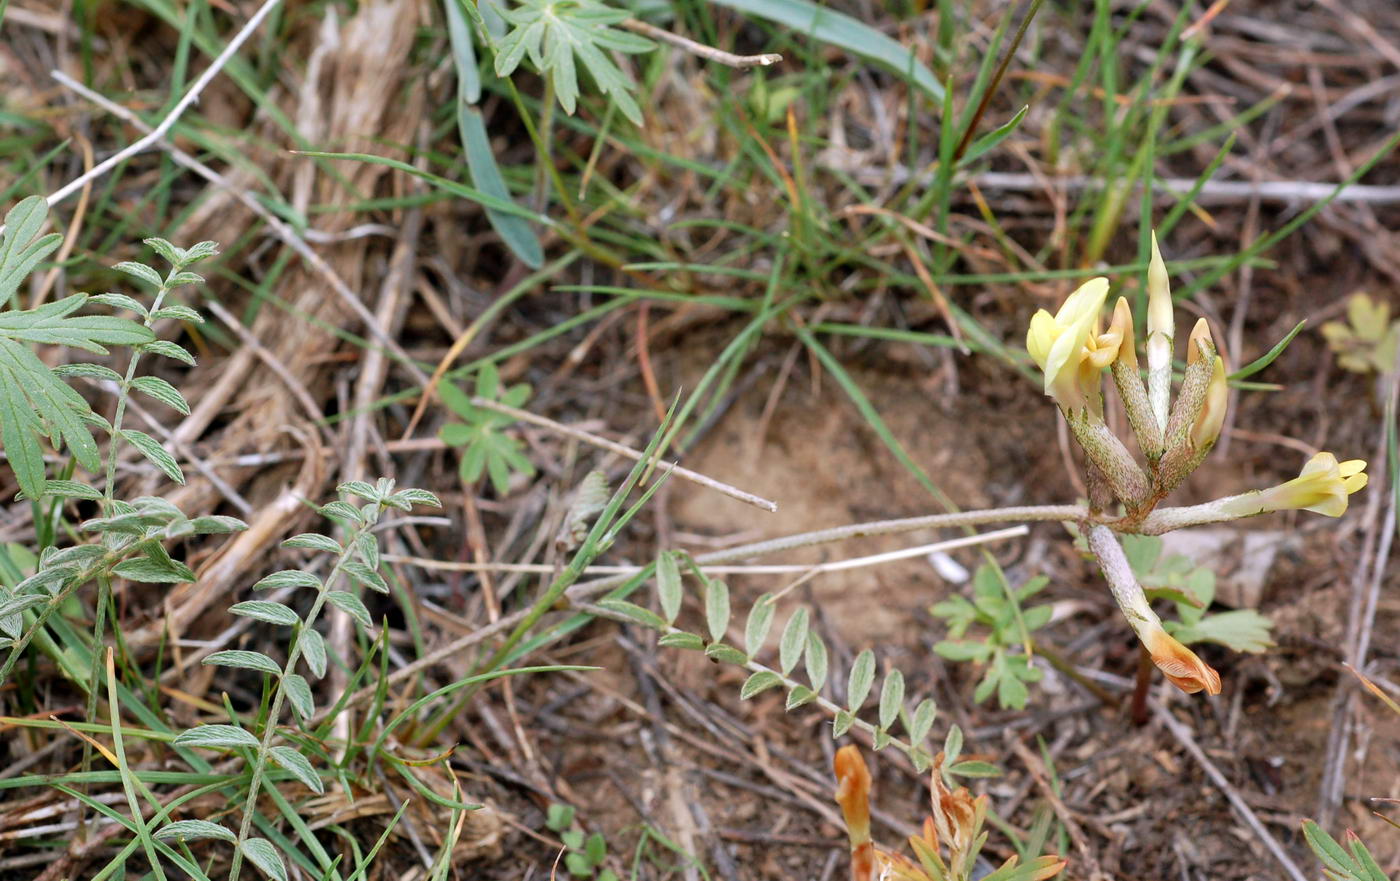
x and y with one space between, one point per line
1322 487
1212 416
1061 343
1178 663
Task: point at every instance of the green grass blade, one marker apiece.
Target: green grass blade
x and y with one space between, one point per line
844 32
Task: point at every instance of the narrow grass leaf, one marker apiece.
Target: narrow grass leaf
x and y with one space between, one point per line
513 229
1268 357
844 32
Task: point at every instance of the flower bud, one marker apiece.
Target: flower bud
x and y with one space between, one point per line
853 795
1161 334
1206 428
1182 667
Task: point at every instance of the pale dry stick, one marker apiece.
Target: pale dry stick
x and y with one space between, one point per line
707 52
389 314
1036 766
228 492
621 450
279 228
590 589
780 569
294 386
1273 191
1361 612
71 238
154 135
1183 736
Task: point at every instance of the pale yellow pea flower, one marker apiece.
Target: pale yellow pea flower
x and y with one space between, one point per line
1061 343
1322 487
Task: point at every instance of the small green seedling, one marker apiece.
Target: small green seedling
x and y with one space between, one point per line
1009 669
487 449
583 857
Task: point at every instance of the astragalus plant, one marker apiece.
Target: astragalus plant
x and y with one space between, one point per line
1073 350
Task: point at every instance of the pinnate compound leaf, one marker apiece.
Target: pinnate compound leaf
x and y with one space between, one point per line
156 568
162 391
154 453
668 586
891 698
759 623
216 737
758 682
167 349
717 608
366 576
194 830
313 648
794 640
314 541
21 247
299 695
263 610
141 271
243 660
351 605
862 678
288 578
300 767
263 854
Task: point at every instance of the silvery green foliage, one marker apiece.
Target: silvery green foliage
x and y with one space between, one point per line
354 563
800 647
36 404
555 33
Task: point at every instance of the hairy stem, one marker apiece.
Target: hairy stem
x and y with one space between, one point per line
279 696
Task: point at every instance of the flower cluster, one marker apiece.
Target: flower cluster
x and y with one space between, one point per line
953 828
1174 436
